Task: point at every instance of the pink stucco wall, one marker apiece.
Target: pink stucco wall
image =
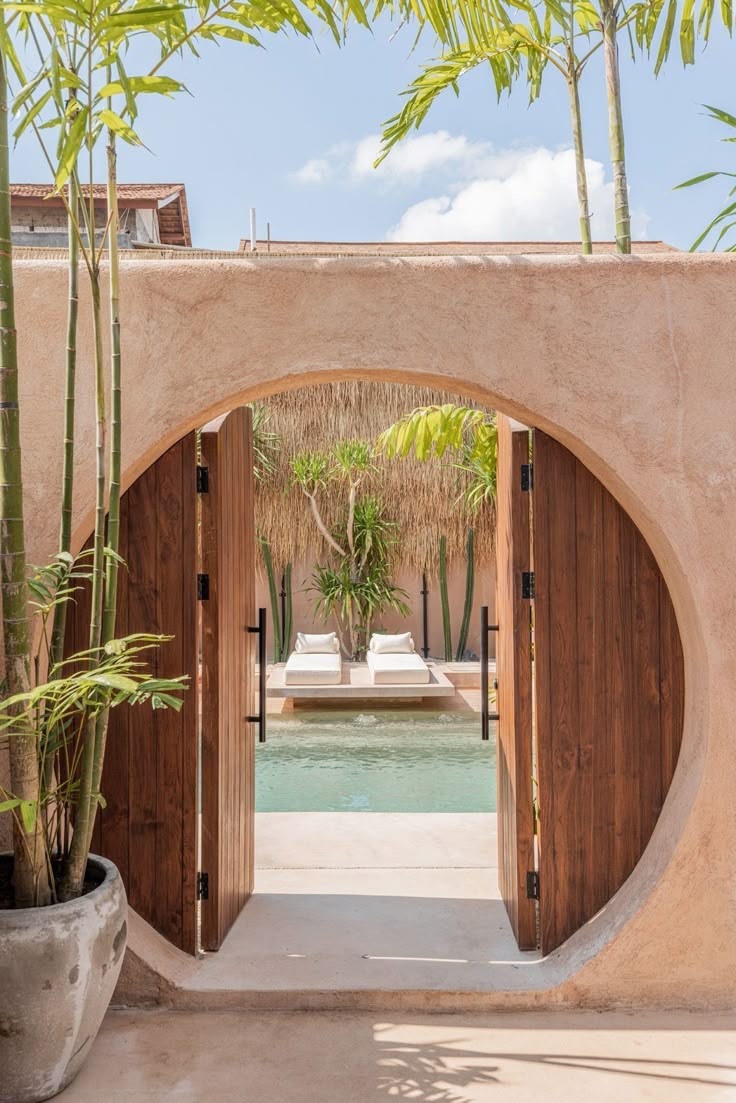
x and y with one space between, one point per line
627 361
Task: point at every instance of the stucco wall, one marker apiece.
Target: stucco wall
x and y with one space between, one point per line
627 361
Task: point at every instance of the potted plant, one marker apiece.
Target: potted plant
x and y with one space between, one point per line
60 955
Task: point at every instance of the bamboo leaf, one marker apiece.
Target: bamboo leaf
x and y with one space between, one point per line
118 126
30 115
136 85
70 151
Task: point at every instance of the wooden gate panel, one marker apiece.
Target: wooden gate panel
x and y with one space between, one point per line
513 671
608 691
228 669
148 827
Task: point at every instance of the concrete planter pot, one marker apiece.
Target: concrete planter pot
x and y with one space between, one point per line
58 970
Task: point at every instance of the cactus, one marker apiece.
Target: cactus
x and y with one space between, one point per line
286 627
446 626
467 611
275 618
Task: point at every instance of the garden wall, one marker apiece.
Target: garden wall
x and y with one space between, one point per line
627 361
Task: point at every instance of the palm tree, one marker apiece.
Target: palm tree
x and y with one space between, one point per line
476 32
469 435
725 221
510 50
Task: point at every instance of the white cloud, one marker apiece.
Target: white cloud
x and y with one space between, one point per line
480 193
532 196
314 172
412 158
436 152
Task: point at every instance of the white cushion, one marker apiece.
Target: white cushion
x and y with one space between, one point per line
325 643
397 670
401 644
318 669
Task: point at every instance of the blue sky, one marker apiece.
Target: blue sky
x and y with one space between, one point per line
291 129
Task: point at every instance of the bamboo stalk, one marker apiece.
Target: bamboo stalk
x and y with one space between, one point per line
616 127
581 175
109 614
73 880
30 867
67 478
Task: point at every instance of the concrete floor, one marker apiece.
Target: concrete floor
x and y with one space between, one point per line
582 1057
374 901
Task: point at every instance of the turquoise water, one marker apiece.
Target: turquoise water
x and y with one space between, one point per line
402 761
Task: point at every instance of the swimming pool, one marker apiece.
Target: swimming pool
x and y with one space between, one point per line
383 761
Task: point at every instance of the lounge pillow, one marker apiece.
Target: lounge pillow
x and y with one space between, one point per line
316 644
401 644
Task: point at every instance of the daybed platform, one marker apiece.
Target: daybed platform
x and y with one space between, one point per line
356 684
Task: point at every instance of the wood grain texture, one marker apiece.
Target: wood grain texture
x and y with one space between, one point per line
228 675
148 827
514 764
608 691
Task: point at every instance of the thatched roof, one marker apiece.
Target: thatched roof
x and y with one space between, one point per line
419 497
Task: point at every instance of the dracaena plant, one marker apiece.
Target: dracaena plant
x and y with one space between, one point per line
75 94
355 585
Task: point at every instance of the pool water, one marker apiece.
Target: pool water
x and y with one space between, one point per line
387 761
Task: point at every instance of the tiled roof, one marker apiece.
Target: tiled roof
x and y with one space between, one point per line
125 191
169 199
443 248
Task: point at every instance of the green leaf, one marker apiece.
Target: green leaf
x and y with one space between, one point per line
118 126
114 681
9 805
31 114
28 813
162 85
71 148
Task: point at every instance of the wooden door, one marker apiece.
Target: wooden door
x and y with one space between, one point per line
148 827
608 691
514 675
228 673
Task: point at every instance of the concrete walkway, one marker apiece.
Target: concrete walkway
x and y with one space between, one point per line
178 1057
379 902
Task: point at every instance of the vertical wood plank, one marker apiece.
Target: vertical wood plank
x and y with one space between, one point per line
513 668
143 617
608 691
228 792
150 778
189 715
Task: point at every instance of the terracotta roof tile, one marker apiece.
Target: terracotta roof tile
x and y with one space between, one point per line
125 191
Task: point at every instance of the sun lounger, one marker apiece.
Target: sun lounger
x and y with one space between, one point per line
392 661
315 661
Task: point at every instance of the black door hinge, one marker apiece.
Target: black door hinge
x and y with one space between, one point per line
203 886
527 584
203 479
532 885
203 587
527 476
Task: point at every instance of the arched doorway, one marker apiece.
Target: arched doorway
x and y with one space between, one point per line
590 689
